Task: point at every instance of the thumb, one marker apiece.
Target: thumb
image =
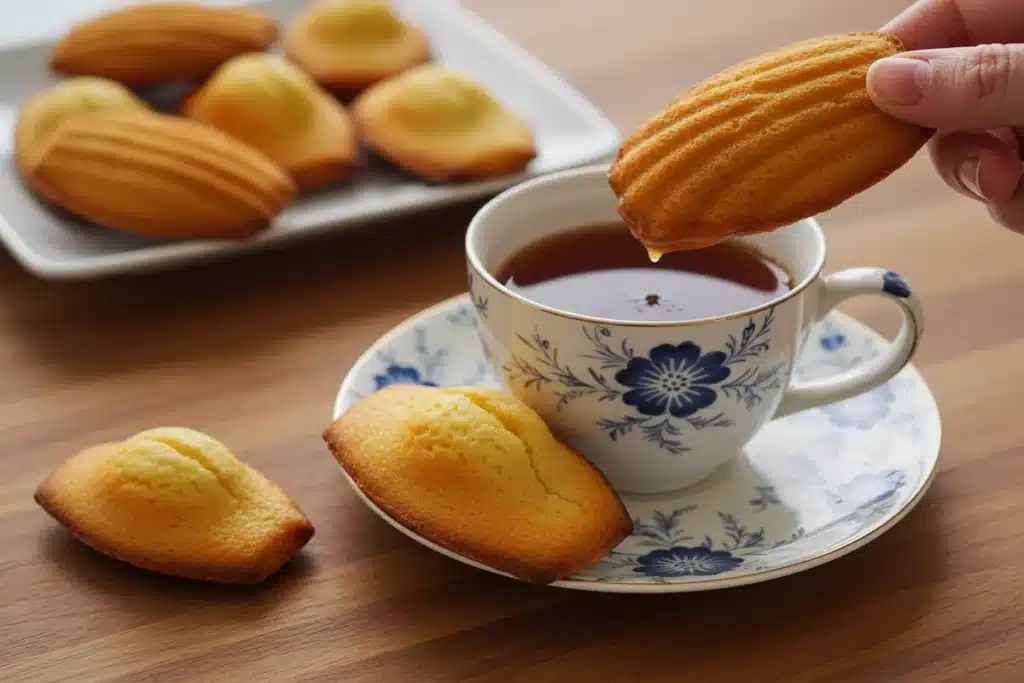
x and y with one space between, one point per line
966 88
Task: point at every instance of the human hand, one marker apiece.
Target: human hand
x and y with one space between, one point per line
963 75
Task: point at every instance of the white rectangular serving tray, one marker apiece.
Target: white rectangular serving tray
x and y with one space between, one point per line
570 131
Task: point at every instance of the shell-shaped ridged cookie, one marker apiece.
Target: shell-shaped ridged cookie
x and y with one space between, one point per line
159 175
176 501
763 144
272 105
161 42
43 112
440 124
348 45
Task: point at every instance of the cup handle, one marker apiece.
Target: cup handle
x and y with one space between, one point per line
836 288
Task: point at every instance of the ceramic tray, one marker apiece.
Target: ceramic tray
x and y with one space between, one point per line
570 131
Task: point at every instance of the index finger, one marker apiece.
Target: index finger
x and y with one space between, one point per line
958 23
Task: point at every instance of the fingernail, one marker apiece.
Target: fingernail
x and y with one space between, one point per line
967 174
897 81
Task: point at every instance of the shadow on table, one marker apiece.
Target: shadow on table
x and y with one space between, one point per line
856 603
154 595
236 308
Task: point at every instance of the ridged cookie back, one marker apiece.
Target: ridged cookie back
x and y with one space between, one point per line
159 175
149 44
765 143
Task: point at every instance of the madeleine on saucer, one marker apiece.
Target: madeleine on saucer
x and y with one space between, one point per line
175 501
348 45
272 105
441 125
477 471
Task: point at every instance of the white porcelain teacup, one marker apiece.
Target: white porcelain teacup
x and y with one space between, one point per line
660 406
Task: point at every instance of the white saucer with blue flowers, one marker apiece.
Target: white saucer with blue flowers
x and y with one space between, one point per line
808 488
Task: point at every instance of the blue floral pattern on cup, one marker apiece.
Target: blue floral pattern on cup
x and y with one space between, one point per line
677 379
824 478
480 302
667 390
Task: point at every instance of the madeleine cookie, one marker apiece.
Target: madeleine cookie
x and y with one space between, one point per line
348 45
477 471
43 112
761 145
155 43
158 175
272 105
441 125
175 501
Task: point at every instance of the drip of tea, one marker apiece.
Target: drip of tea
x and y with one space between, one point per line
602 271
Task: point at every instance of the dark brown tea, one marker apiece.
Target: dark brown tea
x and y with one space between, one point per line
602 271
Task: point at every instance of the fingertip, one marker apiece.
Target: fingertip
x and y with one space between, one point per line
894 83
978 165
998 176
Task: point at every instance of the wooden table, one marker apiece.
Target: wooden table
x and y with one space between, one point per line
253 351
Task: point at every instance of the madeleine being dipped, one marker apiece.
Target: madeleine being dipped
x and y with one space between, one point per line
348 45
176 501
477 471
763 144
439 124
272 105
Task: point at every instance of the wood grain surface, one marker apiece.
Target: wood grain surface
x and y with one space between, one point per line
253 351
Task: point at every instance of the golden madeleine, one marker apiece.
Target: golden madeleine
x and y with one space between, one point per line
761 145
477 471
348 45
42 113
151 43
439 124
272 105
176 501
160 176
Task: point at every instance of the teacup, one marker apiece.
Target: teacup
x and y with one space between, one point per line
659 406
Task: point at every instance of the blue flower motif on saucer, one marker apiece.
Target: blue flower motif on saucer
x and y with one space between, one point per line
686 561
674 378
426 359
401 374
662 548
895 285
667 391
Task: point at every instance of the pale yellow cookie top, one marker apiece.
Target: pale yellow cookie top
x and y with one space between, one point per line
176 500
478 471
431 99
350 44
355 23
442 124
45 111
260 90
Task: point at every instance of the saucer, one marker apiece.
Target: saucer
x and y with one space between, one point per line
807 489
